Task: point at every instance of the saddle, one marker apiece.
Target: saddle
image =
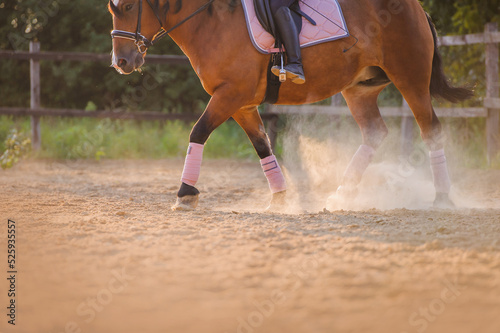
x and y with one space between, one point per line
265 17
322 21
318 21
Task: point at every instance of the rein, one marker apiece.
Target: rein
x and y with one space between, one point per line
142 43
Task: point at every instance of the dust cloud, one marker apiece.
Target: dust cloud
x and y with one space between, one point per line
316 153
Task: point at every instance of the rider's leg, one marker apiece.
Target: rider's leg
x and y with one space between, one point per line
290 38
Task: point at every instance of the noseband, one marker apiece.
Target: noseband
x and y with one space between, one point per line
142 43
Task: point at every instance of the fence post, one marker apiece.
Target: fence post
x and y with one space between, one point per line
407 124
492 91
36 140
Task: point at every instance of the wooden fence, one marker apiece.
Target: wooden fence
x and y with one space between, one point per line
490 109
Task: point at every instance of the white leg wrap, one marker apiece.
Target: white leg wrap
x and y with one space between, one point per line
273 174
439 169
192 165
358 165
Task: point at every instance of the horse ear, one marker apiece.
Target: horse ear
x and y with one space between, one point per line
113 9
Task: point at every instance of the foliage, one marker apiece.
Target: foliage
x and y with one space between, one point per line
63 25
464 64
17 145
114 139
464 16
83 26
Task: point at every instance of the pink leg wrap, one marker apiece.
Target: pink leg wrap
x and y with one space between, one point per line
273 174
439 169
192 165
358 165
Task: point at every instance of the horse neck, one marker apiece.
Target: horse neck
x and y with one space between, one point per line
202 33
185 34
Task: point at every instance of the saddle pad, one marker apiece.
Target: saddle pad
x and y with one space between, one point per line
327 14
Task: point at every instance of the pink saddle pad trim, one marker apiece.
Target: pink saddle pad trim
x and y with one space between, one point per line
327 14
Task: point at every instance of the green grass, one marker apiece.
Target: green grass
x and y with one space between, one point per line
89 138
7 123
114 139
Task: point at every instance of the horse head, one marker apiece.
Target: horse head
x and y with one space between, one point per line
135 27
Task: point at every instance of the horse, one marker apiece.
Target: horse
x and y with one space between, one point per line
397 43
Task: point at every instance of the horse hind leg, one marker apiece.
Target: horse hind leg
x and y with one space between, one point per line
415 89
362 102
431 133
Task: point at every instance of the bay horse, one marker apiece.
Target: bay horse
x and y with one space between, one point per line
397 44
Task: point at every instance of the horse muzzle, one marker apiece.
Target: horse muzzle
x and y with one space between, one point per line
126 64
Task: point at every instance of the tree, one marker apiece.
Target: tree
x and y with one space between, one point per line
464 64
464 16
84 26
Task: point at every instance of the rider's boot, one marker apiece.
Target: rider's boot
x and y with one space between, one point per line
290 38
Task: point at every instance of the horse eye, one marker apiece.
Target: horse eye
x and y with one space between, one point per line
129 7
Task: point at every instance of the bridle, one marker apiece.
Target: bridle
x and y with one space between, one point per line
142 43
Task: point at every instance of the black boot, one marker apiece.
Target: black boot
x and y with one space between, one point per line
290 38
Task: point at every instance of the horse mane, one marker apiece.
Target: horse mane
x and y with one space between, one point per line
233 4
177 7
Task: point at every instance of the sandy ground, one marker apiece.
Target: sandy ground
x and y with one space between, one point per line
99 250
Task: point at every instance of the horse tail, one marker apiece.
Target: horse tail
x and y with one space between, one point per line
440 85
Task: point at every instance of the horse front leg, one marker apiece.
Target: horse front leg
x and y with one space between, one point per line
251 122
215 114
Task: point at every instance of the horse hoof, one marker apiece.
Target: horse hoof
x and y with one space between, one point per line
347 192
278 202
443 201
188 202
334 202
342 198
